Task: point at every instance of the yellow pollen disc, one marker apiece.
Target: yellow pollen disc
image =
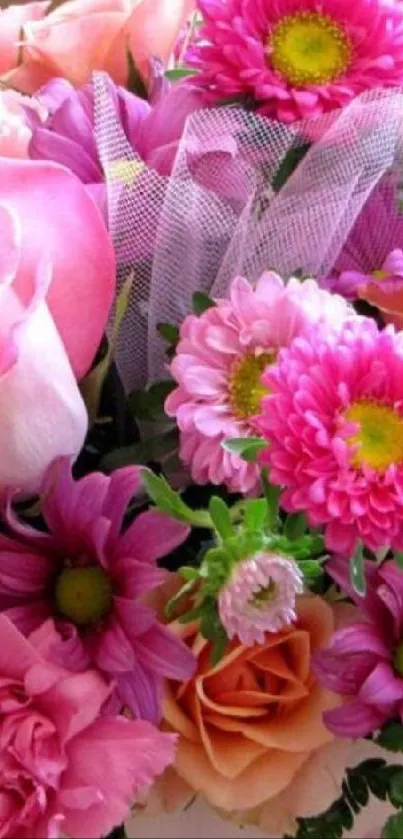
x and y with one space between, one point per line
380 275
309 48
380 435
83 595
245 389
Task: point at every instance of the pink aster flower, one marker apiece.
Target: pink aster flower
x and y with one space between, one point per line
334 423
219 362
364 661
64 769
298 58
260 597
92 579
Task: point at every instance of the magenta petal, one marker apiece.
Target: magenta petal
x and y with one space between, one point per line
152 536
135 618
137 578
141 692
30 616
111 648
356 719
160 650
382 687
70 651
123 485
23 574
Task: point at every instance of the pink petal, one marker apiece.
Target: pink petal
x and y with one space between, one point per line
356 719
16 653
153 28
123 485
137 578
160 650
84 267
142 692
135 618
382 687
152 536
111 648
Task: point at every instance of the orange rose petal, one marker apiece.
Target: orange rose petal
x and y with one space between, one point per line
235 711
299 654
230 754
315 615
247 699
264 778
299 731
175 717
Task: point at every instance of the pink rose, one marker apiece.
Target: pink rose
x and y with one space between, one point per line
59 221
15 132
63 768
42 415
85 35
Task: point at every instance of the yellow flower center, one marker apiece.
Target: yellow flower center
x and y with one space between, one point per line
380 435
125 171
83 595
309 48
380 275
245 389
398 659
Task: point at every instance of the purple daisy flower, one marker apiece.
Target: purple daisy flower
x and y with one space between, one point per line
92 578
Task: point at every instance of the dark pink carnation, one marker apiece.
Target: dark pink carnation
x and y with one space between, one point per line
64 769
93 579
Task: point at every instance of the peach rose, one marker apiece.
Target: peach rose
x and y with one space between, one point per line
250 723
80 36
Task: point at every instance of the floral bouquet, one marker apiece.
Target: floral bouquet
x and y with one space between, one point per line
201 353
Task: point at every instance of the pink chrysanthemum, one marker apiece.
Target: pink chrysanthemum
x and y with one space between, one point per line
219 362
298 58
94 579
334 422
260 597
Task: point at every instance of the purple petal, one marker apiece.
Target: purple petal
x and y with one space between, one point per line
382 687
161 651
111 648
123 485
24 574
70 652
29 617
45 145
141 691
152 536
356 719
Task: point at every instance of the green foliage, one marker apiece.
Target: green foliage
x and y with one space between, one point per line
220 516
391 737
135 82
288 165
374 777
246 447
179 73
149 404
169 501
393 828
169 333
201 302
357 571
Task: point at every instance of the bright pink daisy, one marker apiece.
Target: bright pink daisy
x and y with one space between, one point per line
218 365
92 579
364 660
298 58
334 423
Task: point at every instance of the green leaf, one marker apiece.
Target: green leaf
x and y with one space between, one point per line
255 514
391 737
272 495
221 517
396 789
179 73
288 165
169 333
311 569
393 828
173 602
246 447
295 526
357 571
169 501
398 555
135 82
219 647
149 404
189 573
201 302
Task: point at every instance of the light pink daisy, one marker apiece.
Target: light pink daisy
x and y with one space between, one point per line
298 58
260 597
218 365
334 422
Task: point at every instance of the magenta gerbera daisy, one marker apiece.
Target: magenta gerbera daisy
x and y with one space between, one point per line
298 58
219 362
93 579
334 423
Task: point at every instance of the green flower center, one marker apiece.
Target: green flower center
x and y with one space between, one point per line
84 595
398 659
265 595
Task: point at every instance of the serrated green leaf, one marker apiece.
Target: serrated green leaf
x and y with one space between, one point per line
201 302
393 828
357 571
295 526
169 501
169 333
221 518
255 514
311 569
396 789
391 737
